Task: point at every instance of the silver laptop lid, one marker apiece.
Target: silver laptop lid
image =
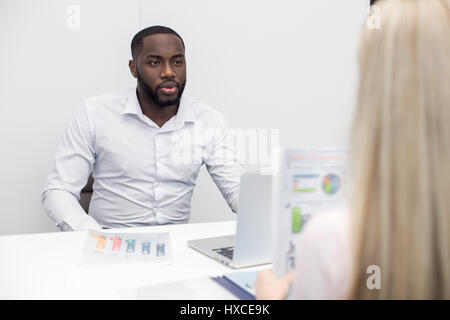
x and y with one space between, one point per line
253 239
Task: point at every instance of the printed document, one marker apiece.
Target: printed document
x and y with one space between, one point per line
306 183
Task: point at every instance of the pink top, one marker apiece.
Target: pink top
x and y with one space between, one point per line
324 258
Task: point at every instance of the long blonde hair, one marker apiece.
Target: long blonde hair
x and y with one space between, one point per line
401 153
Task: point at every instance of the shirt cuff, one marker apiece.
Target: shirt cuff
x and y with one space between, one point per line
85 223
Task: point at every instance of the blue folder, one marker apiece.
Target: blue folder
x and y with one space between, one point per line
239 283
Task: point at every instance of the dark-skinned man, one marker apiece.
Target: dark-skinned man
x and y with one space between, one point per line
144 146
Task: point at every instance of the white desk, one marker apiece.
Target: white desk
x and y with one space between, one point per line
46 266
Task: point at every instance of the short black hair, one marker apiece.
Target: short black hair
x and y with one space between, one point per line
136 43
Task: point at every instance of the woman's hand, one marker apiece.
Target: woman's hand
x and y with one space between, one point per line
269 287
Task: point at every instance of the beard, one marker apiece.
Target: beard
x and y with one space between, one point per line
153 94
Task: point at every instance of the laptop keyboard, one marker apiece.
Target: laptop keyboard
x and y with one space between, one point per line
227 252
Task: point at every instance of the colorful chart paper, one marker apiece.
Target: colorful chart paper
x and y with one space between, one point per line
307 183
106 247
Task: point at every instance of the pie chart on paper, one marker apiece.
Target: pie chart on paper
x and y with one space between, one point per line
331 183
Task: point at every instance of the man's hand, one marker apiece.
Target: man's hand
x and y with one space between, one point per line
269 287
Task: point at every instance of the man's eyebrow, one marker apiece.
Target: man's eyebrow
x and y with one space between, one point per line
154 56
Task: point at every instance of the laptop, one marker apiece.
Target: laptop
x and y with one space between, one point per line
252 243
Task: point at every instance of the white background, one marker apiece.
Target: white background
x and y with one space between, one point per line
286 65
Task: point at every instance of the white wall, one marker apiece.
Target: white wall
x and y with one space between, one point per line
287 65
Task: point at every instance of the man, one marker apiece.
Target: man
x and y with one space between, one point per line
144 146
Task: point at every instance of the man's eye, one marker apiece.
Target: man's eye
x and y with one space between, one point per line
153 63
179 62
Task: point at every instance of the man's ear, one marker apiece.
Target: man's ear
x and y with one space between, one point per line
132 67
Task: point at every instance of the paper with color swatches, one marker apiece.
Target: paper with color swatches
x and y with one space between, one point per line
105 247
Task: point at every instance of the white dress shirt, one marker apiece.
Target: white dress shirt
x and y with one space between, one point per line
143 174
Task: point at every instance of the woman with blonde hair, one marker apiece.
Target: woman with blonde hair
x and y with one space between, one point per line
393 242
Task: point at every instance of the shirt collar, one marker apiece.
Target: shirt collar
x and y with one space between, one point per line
133 106
185 111
184 114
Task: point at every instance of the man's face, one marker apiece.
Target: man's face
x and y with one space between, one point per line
160 68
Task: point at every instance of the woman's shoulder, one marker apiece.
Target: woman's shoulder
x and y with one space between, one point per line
332 223
323 256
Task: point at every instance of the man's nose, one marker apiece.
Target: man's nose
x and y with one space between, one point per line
167 71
